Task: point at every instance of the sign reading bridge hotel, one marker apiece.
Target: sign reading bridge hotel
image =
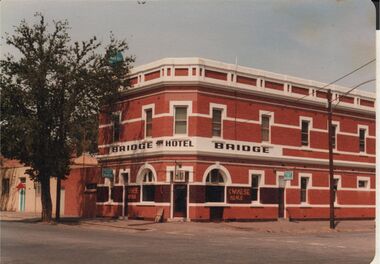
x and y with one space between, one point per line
194 144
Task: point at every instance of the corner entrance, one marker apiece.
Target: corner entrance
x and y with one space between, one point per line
180 200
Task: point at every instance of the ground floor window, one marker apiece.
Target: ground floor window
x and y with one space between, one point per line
304 183
215 188
148 188
214 193
255 187
336 182
148 193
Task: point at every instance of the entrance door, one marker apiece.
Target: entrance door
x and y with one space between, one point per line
22 200
281 196
280 202
180 200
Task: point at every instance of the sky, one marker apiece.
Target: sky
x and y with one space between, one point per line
320 40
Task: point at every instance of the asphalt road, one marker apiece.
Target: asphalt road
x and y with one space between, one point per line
43 243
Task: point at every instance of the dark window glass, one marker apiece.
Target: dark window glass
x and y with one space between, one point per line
305 133
116 127
148 123
255 187
148 189
333 136
265 128
216 122
214 193
304 182
125 177
362 184
215 177
362 140
148 193
214 187
336 181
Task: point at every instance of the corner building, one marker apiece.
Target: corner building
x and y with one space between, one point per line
204 140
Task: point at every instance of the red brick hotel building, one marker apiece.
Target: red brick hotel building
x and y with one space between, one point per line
204 140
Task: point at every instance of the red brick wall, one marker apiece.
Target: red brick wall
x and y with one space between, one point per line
74 187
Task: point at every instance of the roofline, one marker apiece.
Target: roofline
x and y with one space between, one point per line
247 70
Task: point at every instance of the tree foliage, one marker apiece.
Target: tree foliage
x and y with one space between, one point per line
51 92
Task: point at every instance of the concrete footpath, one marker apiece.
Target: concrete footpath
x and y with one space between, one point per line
281 226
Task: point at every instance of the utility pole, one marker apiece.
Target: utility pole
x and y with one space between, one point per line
331 160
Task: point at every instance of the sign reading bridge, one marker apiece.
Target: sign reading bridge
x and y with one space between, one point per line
197 144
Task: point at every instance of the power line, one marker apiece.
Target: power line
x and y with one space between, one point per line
323 87
340 78
349 91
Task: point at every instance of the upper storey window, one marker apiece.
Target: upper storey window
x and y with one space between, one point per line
148 122
265 129
362 140
216 122
305 133
116 126
180 122
334 136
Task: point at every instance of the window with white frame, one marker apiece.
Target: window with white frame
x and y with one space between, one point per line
180 122
305 133
335 188
148 187
362 133
363 184
265 127
303 189
215 186
333 130
216 122
179 176
116 126
124 178
255 185
148 122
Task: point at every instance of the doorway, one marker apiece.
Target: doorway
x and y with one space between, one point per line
21 194
180 200
21 206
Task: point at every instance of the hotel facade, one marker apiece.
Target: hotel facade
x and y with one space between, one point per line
202 140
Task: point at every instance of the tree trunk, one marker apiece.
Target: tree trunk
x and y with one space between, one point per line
46 199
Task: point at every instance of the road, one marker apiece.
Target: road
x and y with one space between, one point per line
44 243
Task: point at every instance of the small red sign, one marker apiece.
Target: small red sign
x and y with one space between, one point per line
21 186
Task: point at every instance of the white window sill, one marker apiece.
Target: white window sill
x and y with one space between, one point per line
216 204
145 203
256 204
307 148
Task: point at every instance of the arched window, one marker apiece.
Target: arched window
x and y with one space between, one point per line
148 187
215 186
